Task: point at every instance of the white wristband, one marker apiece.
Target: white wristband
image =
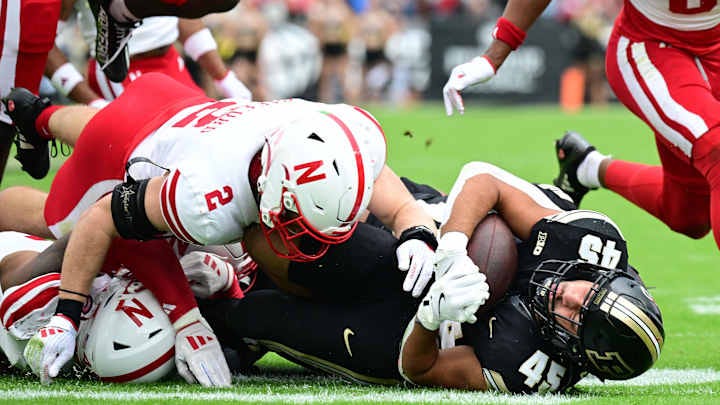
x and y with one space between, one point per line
66 77
453 241
199 43
232 87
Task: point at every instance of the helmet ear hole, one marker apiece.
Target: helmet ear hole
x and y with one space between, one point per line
120 346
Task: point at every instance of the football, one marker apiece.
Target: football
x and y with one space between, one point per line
492 247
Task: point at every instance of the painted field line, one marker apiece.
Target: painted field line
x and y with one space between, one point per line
705 305
661 377
652 377
405 396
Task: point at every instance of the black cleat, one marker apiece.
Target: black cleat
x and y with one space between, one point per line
32 150
571 151
111 50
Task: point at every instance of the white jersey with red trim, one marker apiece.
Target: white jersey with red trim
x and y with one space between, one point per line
208 148
682 15
11 242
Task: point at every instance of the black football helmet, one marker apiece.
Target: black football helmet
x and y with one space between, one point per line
619 331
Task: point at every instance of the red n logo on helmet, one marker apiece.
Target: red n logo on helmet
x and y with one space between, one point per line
308 169
139 309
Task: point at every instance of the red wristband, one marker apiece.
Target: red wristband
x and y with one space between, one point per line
509 33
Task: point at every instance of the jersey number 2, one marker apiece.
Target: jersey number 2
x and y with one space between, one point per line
220 197
692 6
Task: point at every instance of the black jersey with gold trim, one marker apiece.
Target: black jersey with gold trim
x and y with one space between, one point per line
513 355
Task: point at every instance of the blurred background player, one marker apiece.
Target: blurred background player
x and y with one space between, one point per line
375 27
240 33
333 23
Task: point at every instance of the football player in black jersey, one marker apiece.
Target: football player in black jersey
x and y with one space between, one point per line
576 307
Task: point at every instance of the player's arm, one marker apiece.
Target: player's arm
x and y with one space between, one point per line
482 187
423 363
394 206
454 296
200 45
508 35
69 81
50 260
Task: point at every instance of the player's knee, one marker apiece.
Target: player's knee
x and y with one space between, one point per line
692 229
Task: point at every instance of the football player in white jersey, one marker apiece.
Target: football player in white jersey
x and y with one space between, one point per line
125 333
662 63
203 171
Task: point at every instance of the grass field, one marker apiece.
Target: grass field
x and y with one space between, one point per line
429 147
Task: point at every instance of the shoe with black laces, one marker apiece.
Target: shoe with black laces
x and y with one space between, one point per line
571 151
32 150
111 50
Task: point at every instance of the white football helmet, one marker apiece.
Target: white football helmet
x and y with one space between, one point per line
317 179
127 336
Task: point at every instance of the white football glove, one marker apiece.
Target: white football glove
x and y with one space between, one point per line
476 71
207 273
231 87
456 296
198 355
51 347
415 257
452 247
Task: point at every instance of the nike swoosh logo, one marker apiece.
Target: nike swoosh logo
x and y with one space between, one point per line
346 336
490 321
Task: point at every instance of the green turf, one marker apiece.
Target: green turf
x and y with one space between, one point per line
429 147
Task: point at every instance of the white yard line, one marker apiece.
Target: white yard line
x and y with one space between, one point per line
652 377
705 305
662 377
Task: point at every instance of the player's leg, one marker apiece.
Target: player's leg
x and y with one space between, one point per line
87 175
664 87
358 340
180 8
676 193
23 211
117 18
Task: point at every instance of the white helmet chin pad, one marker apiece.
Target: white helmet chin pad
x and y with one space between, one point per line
128 337
318 174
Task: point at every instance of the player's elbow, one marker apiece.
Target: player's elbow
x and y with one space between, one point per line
472 169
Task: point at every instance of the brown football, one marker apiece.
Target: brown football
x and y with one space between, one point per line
493 249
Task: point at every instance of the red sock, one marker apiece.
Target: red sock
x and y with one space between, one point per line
42 123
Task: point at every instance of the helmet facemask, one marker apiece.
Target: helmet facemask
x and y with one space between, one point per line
289 225
619 330
314 185
544 284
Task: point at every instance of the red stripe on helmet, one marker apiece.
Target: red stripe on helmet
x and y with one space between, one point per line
134 375
358 163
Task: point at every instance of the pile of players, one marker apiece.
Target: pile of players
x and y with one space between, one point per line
347 273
